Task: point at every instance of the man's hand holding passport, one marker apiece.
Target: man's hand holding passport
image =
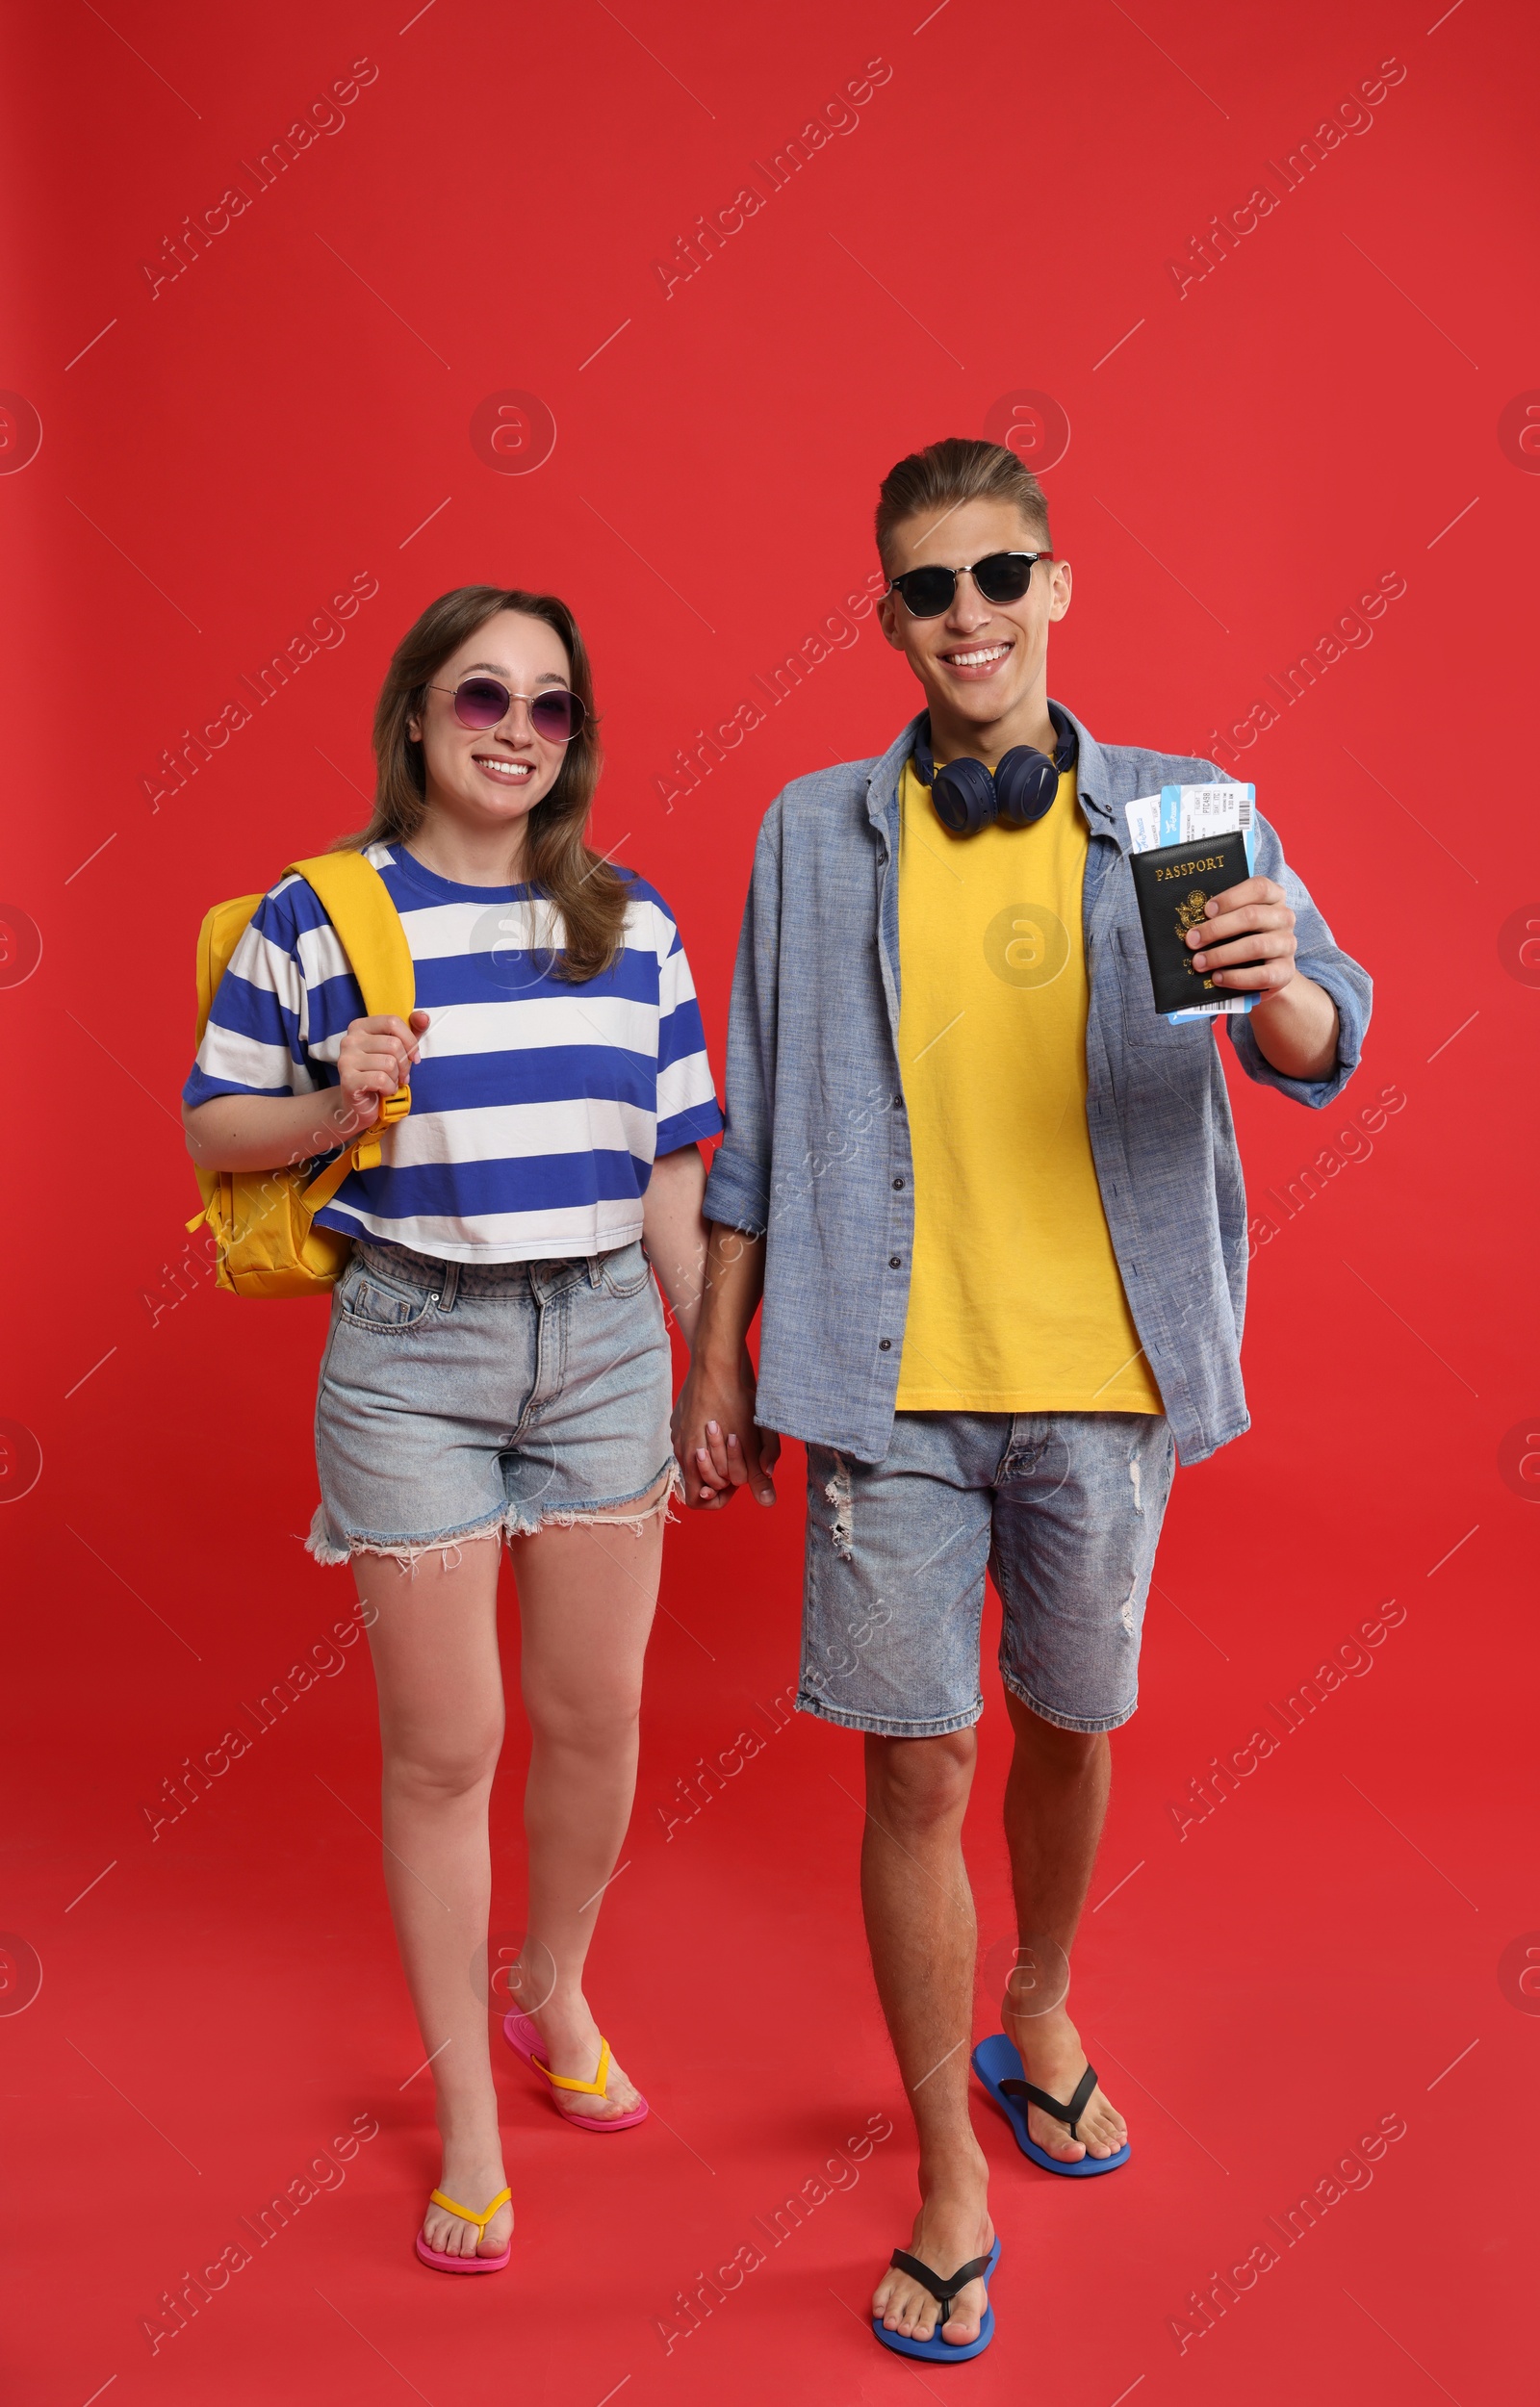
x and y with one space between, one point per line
1192 845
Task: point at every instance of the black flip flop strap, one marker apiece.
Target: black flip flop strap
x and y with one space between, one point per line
942 2293
1070 2114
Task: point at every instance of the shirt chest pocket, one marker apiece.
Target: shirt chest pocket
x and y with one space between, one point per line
1153 1042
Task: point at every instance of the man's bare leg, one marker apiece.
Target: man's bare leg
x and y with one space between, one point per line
923 1937
1055 1805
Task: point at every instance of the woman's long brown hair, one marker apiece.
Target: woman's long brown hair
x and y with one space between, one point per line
581 886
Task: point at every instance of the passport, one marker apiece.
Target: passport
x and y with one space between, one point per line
1173 882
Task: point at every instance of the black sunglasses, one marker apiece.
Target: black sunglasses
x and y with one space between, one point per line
1004 577
483 701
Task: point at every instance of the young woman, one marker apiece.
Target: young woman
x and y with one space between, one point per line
496 1365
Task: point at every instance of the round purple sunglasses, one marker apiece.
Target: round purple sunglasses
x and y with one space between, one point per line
482 701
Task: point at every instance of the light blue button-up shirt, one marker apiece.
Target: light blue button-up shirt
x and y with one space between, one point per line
816 1157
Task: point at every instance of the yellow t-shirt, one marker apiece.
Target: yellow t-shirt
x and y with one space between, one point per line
1015 1300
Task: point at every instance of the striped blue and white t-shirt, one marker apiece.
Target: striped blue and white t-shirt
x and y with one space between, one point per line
538 1105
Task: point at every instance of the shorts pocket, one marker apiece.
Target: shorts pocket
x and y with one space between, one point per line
627 1270
367 1301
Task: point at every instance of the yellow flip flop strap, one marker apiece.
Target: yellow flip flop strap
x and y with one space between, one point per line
480 2220
594 2089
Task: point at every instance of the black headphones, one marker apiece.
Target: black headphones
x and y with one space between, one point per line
966 798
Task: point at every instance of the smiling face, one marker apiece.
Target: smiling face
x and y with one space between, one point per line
483 780
984 665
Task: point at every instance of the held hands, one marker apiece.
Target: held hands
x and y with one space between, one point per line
719 1446
375 1058
1250 923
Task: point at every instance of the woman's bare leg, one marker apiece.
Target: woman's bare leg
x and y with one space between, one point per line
434 1639
586 1596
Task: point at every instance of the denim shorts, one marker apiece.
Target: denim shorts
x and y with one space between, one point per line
476 1399
1064 1509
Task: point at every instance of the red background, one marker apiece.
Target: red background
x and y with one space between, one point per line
221 458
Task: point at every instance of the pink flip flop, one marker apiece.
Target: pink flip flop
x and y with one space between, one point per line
524 2039
446 2264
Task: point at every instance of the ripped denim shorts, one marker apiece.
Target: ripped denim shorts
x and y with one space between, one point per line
467 1400
1063 1511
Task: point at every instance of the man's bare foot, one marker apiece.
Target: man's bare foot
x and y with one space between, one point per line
1053 2058
474 2178
571 2047
949 2230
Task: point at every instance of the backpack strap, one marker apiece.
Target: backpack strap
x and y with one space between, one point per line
363 1154
357 902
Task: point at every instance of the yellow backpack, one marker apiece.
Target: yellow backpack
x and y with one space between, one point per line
261 1220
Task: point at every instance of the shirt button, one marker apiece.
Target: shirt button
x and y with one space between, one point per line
885 1345
894 1261
898 1181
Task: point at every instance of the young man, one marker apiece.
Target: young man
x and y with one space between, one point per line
993 1205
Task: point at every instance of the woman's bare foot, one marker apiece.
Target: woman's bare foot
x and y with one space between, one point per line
572 2047
474 2178
952 2227
1053 2058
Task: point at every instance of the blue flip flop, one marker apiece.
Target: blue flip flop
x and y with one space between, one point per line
943 2352
1000 2069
